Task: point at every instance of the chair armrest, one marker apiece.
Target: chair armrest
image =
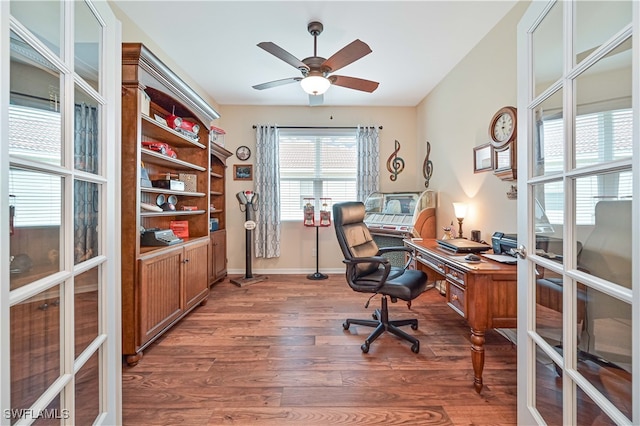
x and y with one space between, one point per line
383 250
380 260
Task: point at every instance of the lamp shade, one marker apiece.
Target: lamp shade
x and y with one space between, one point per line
460 210
315 84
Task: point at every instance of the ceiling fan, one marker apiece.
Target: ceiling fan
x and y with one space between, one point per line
315 70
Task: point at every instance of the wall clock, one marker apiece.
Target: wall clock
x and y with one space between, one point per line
503 127
243 153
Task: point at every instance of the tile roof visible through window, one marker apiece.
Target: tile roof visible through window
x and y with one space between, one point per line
34 132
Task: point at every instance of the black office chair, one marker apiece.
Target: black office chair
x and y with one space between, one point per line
368 271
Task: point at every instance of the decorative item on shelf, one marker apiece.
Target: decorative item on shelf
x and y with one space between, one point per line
185 127
160 120
447 232
395 164
512 194
213 224
309 212
145 102
189 208
427 167
145 182
167 204
180 228
190 181
160 147
171 184
216 135
460 210
325 212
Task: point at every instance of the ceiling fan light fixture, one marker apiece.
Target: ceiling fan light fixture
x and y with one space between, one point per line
315 84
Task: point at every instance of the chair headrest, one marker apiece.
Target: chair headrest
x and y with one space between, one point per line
348 212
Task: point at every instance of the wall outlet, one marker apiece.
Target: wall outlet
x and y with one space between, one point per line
313 252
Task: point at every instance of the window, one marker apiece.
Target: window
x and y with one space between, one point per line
314 164
35 135
600 136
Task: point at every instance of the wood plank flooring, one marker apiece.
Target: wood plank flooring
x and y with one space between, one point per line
275 353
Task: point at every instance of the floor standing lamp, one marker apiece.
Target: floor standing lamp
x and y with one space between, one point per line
310 221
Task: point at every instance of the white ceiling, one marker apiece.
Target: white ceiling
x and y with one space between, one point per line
415 44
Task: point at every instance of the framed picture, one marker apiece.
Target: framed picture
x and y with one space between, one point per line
243 172
482 158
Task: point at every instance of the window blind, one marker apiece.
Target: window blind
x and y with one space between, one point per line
316 164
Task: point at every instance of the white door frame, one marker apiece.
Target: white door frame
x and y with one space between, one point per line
109 300
527 413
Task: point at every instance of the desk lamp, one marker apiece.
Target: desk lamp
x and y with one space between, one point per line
460 210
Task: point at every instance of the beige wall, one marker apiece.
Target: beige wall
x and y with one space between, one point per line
297 242
455 117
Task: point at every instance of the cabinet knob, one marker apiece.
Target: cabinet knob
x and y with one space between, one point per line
185 261
43 307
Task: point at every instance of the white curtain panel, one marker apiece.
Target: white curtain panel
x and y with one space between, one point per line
267 186
368 161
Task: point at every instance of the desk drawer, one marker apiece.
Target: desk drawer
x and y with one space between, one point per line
456 299
457 277
431 262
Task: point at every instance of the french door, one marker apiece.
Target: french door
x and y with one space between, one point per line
59 305
578 282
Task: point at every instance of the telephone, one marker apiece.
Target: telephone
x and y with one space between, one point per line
159 237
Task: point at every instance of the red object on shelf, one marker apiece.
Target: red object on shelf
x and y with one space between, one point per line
180 228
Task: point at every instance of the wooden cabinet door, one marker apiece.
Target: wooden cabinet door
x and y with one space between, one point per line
159 297
196 284
218 255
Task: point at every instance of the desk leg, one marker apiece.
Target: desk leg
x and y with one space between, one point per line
477 357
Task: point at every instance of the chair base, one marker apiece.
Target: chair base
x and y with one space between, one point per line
382 324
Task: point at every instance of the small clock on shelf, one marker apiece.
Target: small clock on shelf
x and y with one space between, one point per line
243 153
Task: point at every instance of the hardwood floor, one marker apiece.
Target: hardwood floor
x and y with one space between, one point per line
275 353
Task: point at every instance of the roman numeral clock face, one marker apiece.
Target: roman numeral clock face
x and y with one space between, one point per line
502 128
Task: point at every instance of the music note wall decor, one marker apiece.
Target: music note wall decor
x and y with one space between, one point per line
395 164
427 167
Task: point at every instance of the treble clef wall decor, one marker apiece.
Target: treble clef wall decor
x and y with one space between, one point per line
427 167
395 164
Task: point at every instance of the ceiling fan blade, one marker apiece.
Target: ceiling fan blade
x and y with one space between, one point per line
348 54
354 83
315 100
276 83
280 53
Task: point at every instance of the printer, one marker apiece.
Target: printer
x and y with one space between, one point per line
502 243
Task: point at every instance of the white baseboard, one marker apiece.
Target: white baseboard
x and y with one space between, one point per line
286 271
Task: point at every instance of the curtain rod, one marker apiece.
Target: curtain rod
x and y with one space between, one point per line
317 127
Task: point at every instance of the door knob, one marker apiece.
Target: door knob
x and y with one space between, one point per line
521 251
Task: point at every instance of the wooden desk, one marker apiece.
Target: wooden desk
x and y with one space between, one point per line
484 293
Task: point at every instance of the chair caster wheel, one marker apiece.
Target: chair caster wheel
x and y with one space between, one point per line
415 348
374 316
365 348
345 325
414 326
